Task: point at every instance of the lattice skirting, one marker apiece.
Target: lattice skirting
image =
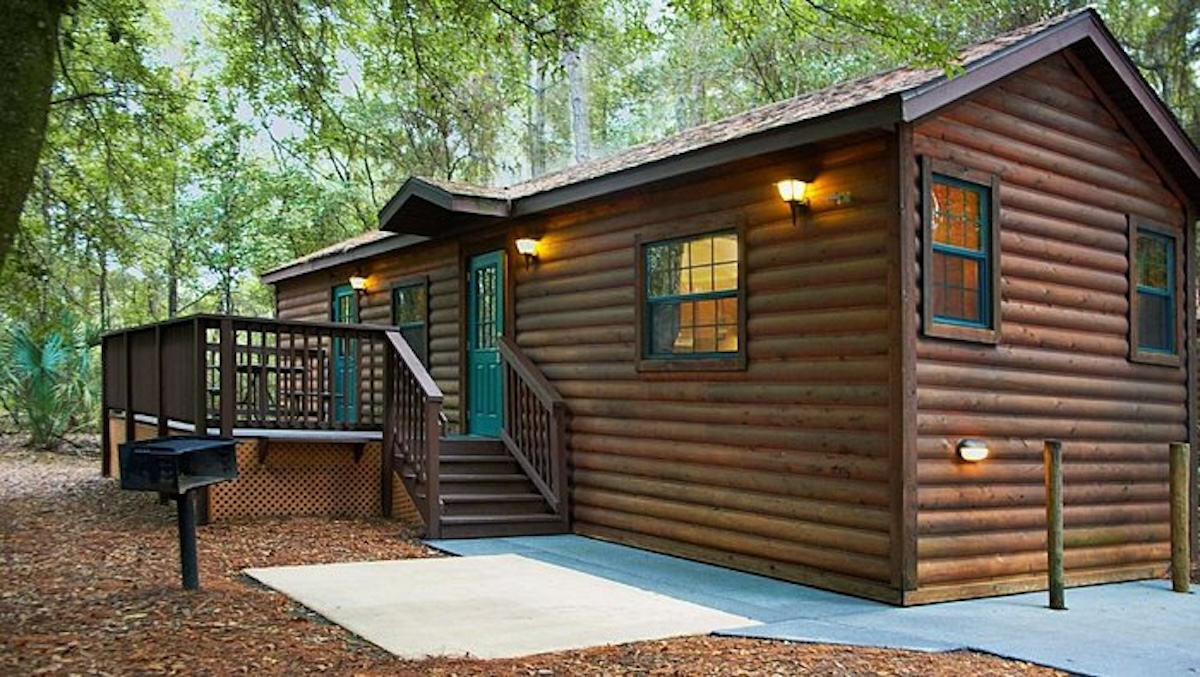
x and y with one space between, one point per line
296 478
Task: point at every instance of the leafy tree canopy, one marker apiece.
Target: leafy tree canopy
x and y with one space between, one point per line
190 145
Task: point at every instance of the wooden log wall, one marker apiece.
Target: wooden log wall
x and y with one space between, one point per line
308 297
1069 177
782 469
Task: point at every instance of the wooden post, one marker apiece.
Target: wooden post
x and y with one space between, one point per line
1052 456
1180 547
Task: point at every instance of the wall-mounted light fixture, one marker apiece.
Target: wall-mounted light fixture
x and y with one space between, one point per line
359 284
792 192
972 451
527 247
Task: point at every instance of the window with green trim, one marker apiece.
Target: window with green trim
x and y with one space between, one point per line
961 256
410 312
1153 303
692 297
960 269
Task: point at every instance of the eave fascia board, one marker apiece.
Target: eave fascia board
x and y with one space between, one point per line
366 251
944 90
882 113
1158 112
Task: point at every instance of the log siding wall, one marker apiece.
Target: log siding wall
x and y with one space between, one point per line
784 468
1069 178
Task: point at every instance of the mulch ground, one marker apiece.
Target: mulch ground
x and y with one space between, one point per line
89 585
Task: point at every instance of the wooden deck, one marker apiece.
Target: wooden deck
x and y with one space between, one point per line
317 387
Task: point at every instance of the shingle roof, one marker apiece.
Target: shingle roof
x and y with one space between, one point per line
838 97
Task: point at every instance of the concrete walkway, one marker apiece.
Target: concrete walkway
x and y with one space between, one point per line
1139 628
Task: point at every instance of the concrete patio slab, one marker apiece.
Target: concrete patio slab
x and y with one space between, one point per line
496 606
1138 628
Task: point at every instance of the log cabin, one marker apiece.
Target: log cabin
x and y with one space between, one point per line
779 342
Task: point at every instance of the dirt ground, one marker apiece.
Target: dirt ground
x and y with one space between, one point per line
89 585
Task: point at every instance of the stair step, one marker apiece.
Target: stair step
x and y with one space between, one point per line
478 506
470 446
486 498
482 477
501 525
479 464
498 519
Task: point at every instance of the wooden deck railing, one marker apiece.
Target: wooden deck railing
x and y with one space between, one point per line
220 373
412 430
223 372
535 426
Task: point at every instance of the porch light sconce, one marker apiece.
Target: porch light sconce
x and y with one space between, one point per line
527 247
359 284
792 192
972 451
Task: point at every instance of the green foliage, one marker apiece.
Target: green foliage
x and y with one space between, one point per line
47 379
193 144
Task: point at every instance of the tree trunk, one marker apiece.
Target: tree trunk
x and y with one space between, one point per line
537 121
174 255
102 283
28 34
581 136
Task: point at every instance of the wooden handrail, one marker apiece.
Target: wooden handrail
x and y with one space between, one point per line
530 374
412 430
210 320
413 364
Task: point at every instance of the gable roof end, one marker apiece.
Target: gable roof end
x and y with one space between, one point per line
430 207
1096 48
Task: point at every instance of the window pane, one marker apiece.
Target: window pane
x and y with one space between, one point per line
415 336
958 213
957 288
691 296
1153 267
697 266
408 304
1154 322
664 328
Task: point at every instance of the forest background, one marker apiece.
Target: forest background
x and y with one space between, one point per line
190 145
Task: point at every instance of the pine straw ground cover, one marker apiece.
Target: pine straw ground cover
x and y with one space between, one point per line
89 584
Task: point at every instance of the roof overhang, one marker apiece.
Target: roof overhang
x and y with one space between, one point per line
348 255
427 209
423 208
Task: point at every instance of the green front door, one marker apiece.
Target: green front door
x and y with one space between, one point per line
345 370
485 324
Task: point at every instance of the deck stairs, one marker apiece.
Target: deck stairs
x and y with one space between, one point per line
484 493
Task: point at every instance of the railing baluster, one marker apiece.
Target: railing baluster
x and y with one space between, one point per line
535 415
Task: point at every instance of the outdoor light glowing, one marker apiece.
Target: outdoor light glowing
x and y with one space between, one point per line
358 283
792 190
972 451
527 246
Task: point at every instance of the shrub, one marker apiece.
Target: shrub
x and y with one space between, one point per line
47 381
